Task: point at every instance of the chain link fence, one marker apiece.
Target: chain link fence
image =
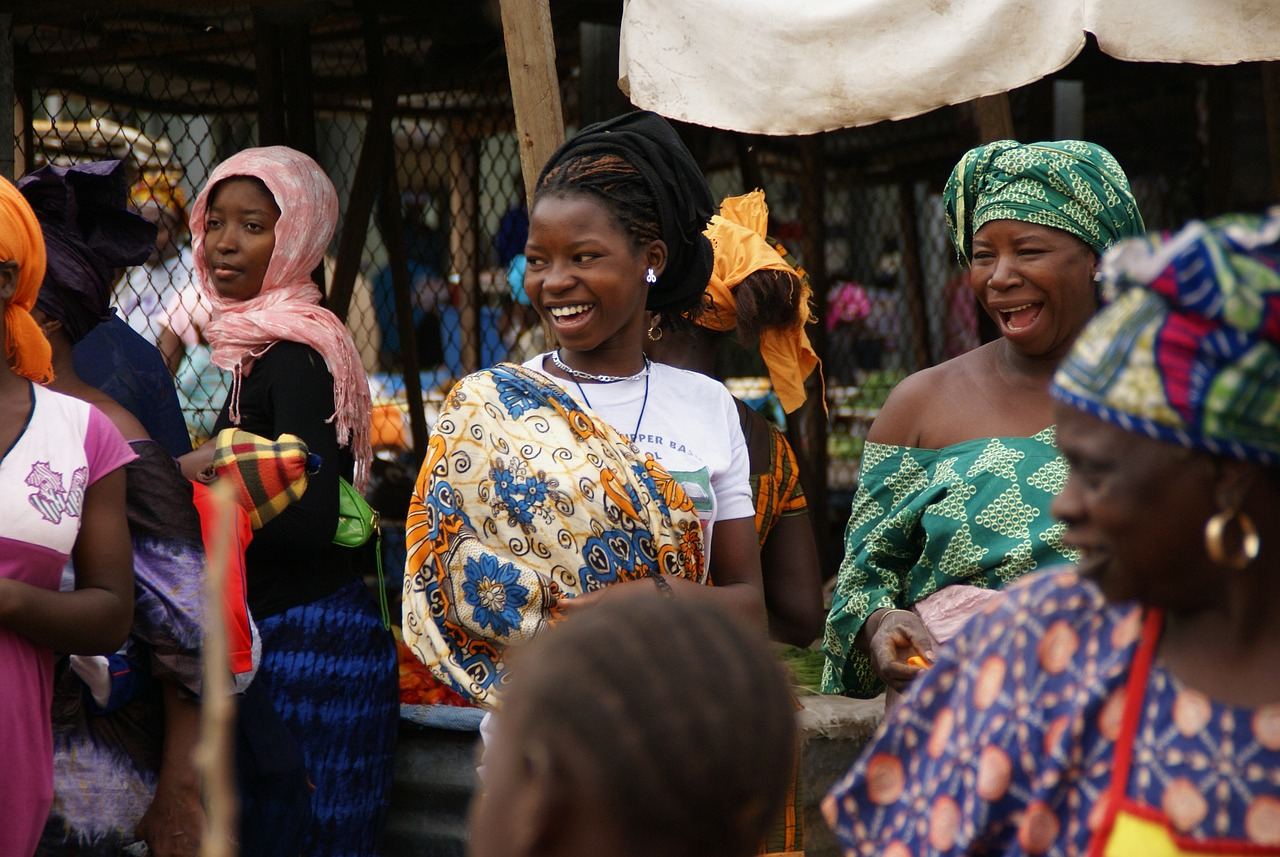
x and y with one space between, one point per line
173 93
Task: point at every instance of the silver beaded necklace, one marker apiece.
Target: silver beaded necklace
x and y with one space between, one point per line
579 375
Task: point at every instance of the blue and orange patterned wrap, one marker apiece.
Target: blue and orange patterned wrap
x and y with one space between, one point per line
526 499
1188 349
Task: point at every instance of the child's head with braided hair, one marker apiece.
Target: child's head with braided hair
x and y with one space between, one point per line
645 725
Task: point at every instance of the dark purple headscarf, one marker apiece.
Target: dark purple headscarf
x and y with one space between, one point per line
89 233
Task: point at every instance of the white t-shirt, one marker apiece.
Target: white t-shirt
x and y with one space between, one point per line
689 423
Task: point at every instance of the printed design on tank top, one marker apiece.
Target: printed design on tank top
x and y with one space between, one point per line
50 499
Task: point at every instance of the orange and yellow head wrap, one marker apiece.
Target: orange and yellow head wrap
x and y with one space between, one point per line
25 347
737 236
162 188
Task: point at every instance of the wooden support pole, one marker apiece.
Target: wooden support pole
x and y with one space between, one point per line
464 207
266 61
993 118
376 179
807 427
389 215
1219 136
917 301
599 97
748 163
535 85
1271 113
299 89
384 86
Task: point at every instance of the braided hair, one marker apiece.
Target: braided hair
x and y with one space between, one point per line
672 712
619 187
639 169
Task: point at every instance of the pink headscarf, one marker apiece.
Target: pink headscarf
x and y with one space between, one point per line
288 307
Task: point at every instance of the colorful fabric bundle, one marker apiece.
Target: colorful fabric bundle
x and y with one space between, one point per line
524 500
737 236
1188 349
265 475
235 602
1071 185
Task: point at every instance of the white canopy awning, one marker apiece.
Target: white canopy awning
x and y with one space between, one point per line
803 66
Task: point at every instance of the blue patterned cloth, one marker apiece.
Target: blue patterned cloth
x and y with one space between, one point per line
1006 745
329 668
524 499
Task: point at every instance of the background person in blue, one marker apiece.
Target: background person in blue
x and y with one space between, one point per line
437 319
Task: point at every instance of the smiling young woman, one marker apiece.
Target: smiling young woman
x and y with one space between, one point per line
578 477
582 275
960 464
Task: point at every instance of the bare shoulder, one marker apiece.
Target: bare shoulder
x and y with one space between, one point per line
929 400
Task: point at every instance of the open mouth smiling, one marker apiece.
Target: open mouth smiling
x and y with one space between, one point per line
570 312
1021 317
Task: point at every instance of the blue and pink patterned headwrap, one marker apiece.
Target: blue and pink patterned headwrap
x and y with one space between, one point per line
1188 348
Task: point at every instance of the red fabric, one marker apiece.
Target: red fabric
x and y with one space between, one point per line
235 604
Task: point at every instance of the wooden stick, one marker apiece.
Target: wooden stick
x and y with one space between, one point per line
993 118
214 753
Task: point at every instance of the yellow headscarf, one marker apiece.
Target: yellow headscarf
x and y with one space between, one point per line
25 347
162 188
737 236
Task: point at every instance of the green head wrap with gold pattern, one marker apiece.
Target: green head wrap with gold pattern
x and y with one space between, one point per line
1071 185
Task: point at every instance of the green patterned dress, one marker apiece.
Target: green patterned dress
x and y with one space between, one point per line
975 513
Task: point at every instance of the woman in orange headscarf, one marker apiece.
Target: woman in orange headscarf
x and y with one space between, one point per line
761 297
63 484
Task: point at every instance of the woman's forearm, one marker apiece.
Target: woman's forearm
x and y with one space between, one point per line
85 622
742 599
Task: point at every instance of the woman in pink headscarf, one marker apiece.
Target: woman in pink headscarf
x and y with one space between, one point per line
259 228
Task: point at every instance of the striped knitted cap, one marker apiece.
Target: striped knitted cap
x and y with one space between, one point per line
266 475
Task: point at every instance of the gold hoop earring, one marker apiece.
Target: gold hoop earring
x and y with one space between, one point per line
1250 543
655 327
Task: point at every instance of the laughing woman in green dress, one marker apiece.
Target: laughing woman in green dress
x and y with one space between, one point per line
960 466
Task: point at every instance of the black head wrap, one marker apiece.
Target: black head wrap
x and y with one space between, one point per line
685 205
89 232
